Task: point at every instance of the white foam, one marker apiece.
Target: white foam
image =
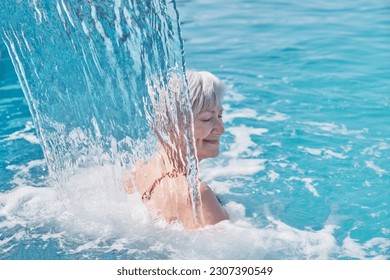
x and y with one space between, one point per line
10 87
369 250
276 144
222 187
367 183
370 164
236 211
273 117
27 133
331 154
232 168
90 215
273 176
376 150
385 231
25 168
278 240
240 113
232 95
382 243
242 140
311 151
353 248
308 184
247 113
325 153
336 129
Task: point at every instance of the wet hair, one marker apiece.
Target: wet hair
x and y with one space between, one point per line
206 90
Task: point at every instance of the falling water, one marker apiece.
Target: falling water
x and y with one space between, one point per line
95 74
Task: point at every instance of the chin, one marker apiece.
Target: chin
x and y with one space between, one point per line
208 155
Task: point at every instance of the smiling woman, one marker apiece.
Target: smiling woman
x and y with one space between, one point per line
163 185
206 92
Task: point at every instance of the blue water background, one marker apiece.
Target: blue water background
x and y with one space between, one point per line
307 126
325 66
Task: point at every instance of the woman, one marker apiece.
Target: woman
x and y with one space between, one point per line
163 186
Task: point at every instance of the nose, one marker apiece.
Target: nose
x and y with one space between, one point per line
219 128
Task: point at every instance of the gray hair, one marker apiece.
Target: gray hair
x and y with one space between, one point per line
206 90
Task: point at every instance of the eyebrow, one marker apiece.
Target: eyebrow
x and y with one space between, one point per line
212 111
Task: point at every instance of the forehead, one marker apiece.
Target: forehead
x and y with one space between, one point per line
211 109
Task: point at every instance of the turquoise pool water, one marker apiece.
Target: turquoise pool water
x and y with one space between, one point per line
304 167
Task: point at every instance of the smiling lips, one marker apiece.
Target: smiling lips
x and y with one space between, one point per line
211 141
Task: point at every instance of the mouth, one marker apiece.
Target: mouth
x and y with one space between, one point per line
211 141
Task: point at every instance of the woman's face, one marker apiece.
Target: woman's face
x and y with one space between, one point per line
208 127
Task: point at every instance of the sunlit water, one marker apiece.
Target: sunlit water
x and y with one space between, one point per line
304 164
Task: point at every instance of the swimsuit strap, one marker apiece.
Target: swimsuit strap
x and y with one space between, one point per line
171 174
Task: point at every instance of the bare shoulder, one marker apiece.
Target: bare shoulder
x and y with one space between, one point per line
132 177
143 175
205 190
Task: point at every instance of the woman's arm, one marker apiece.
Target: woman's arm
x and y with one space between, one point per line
212 210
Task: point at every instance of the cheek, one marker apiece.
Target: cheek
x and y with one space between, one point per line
200 131
197 131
